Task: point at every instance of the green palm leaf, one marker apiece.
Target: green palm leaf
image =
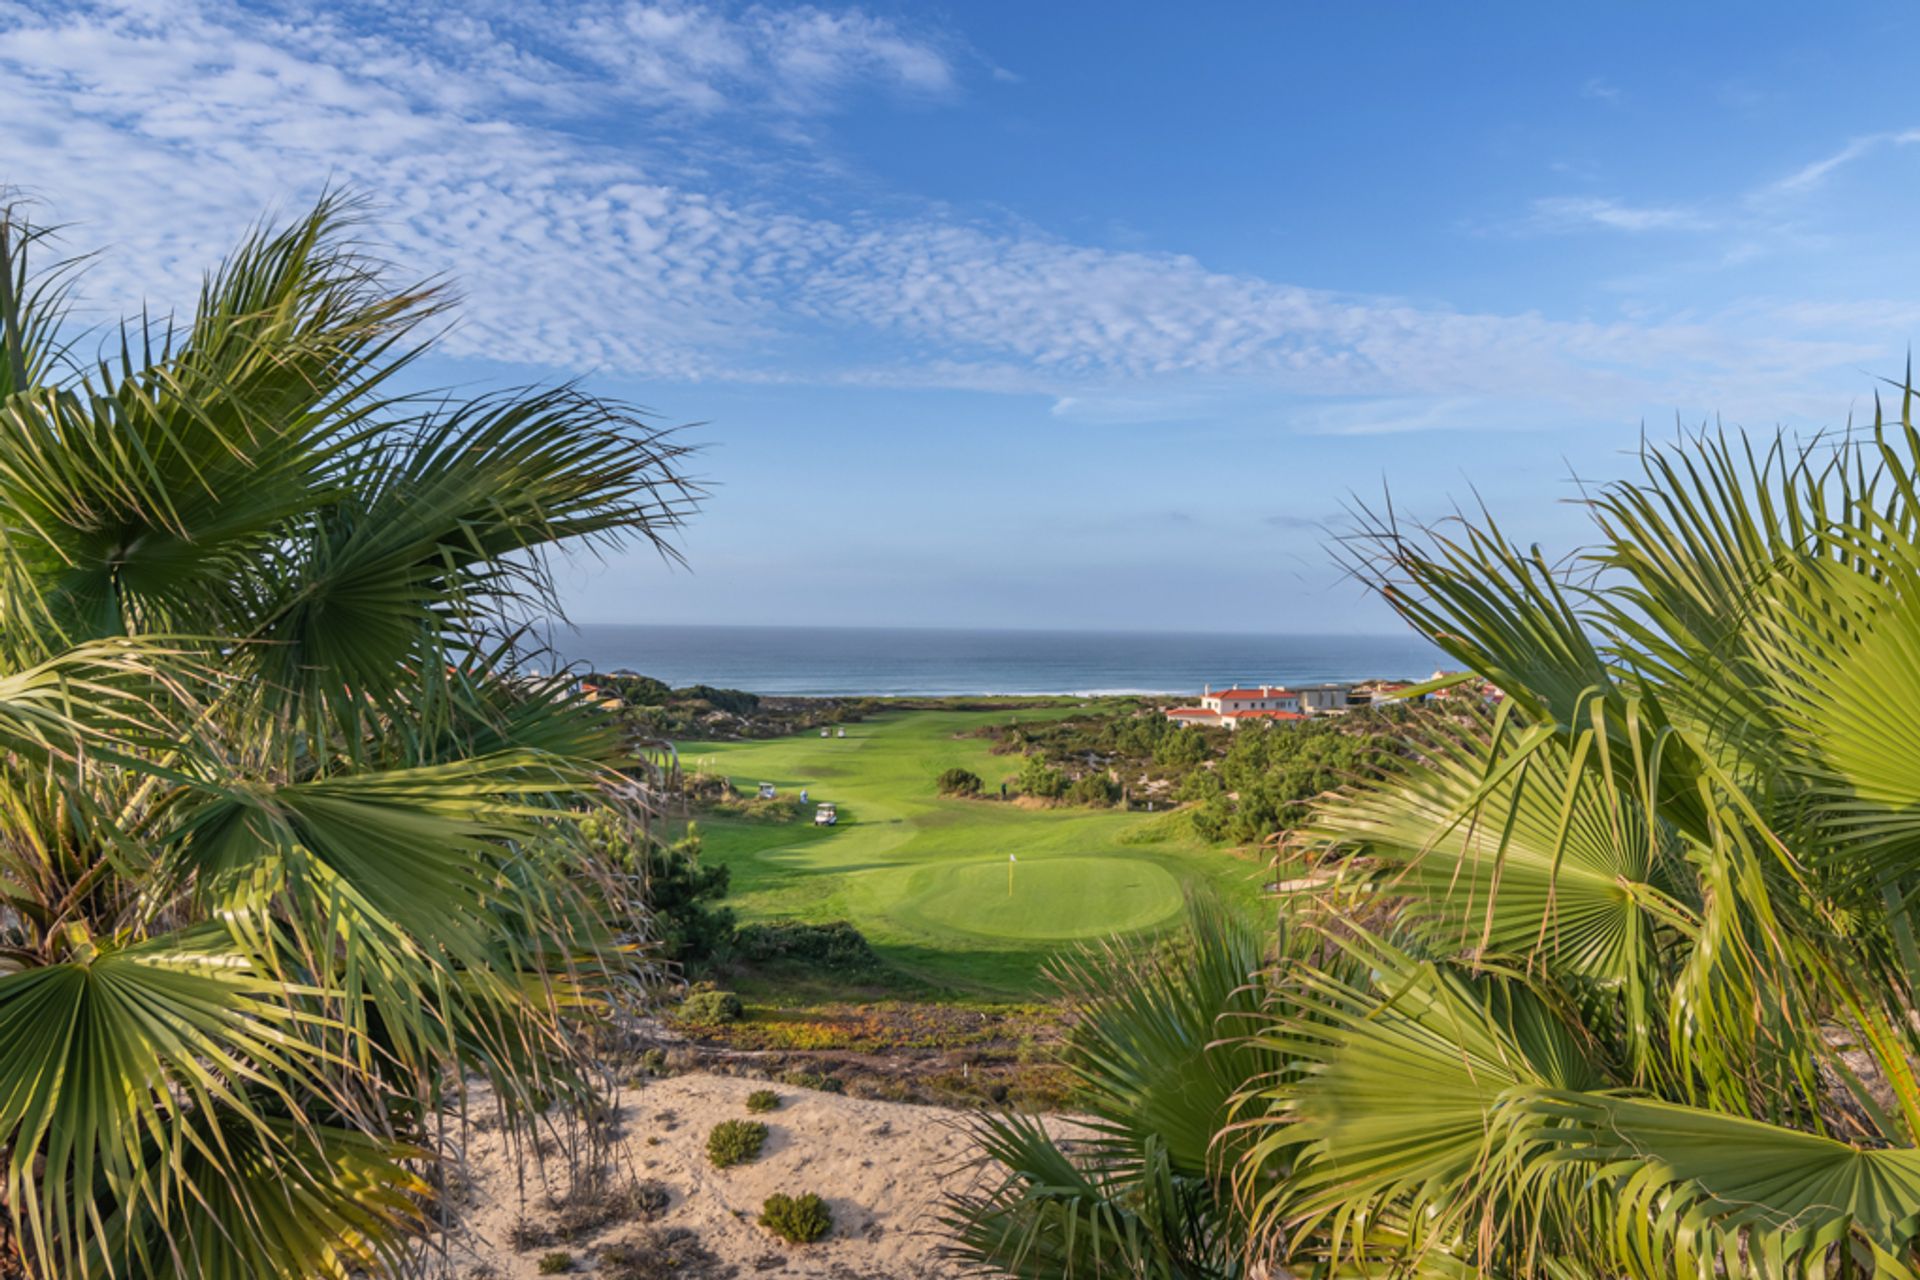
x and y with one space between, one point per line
1746 1196
287 851
116 1048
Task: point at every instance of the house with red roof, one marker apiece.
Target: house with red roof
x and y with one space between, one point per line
1230 708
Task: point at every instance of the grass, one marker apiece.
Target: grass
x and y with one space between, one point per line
925 877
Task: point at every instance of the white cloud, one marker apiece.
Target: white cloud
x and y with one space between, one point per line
1561 213
1816 173
572 178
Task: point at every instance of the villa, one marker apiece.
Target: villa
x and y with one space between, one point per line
1229 708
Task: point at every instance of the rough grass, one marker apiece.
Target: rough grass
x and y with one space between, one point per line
924 877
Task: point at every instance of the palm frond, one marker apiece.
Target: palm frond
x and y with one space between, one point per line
115 1048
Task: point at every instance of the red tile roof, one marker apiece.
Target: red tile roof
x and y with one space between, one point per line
1253 693
1263 715
1191 711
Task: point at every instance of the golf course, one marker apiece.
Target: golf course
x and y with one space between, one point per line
972 894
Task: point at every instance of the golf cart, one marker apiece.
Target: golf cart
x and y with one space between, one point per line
766 791
825 816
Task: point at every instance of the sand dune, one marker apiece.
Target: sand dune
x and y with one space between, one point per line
881 1166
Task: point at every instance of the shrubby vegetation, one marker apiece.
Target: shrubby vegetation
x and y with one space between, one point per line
1096 790
1274 773
737 702
634 690
1038 778
681 893
763 1100
715 1008
1243 785
959 782
649 708
835 948
733 1142
797 1219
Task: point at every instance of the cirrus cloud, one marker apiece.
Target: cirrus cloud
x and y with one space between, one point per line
588 182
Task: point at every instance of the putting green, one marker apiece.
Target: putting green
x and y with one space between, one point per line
1059 898
924 876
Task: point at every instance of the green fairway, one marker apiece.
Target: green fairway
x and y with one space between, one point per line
927 878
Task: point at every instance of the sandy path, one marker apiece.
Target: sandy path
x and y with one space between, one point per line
882 1166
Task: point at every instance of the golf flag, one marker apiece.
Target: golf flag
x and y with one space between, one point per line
1010 861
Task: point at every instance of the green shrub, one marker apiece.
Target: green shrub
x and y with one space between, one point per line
797 1220
552 1264
634 690
959 782
837 946
1094 789
763 1100
683 894
736 701
735 1142
712 1007
1038 778
813 1080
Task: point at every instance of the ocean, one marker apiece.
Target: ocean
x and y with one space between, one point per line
827 661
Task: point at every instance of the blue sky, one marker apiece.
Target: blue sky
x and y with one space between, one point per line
1063 315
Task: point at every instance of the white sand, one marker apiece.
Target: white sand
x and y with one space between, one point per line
881 1166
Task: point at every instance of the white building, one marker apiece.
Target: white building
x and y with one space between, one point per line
1265 698
1229 708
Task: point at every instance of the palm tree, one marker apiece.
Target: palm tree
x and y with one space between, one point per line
1158 1049
1627 963
287 851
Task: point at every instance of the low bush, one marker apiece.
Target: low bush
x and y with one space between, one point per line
797 1219
735 1142
763 1100
734 701
813 1080
1094 789
634 690
553 1264
959 782
712 1007
837 946
1038 778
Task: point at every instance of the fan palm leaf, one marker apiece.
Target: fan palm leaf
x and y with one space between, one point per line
287 845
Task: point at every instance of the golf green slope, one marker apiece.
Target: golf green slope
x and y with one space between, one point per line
928 879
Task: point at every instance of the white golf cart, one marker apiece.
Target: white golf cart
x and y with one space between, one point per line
826 816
